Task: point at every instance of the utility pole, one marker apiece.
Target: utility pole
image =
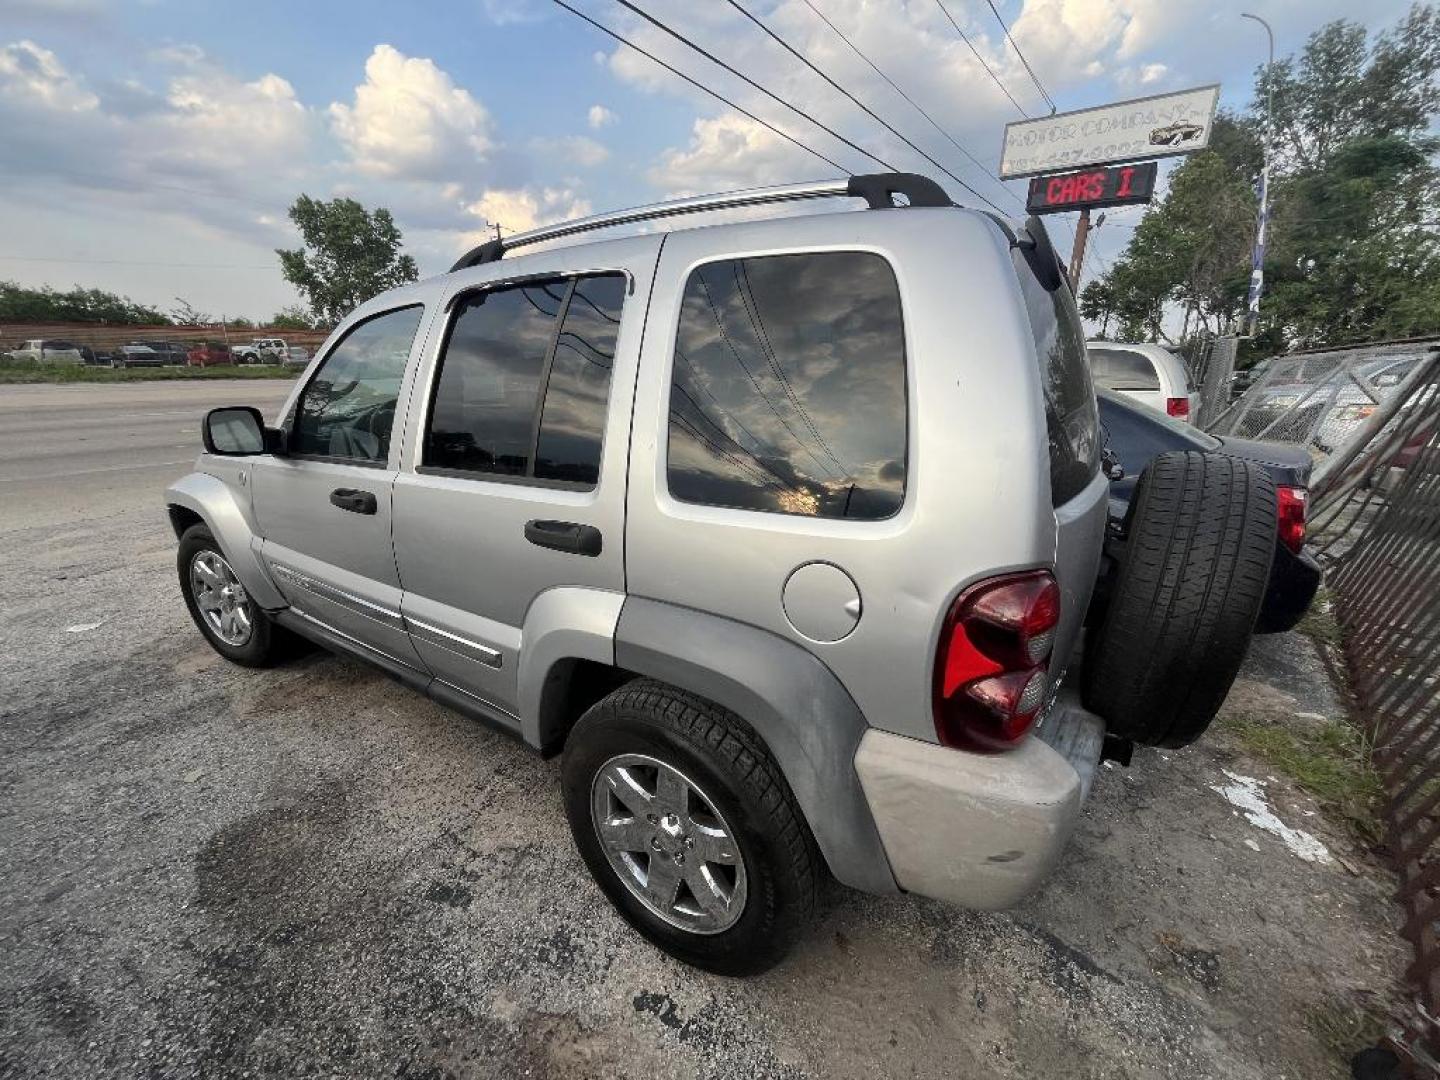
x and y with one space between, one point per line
1077 257
1257 256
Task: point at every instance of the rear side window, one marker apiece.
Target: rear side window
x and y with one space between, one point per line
524 380
1070 418
1123 369
788 387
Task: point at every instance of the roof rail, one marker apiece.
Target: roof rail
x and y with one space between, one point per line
877 189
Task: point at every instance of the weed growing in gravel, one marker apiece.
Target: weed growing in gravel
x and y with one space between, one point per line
1319 623
1345 1028
1330 760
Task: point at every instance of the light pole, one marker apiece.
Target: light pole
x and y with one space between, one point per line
1257 256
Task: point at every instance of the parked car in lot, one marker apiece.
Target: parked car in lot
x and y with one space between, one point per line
209 354
1150 374
48 351
136 355
170 352
1136 435
792 574
296 354
261 351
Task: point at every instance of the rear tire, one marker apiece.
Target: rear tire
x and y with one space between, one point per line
1200 538
773 869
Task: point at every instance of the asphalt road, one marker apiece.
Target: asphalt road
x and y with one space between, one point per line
210 871
83 451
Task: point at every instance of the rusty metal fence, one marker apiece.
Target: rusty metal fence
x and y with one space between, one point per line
1375 520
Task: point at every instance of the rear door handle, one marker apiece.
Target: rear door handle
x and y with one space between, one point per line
354 500
564 536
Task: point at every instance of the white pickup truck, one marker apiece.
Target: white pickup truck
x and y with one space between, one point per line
269 351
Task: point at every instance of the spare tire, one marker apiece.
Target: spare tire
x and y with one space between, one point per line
1193 566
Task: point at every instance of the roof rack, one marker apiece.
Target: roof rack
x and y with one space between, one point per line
877 189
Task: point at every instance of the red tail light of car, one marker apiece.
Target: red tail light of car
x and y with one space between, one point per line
1178 407
991 665
1291 502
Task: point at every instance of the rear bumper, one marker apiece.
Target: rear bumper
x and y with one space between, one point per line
1294 580
979 830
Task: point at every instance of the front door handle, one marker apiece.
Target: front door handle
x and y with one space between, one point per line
354 500
564 536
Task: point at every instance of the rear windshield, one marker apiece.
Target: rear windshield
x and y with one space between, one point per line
1122 369
1070 418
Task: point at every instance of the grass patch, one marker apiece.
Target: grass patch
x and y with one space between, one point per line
27 371
1331 761
1319 623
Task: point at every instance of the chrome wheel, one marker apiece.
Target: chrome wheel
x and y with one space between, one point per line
220 598
668 843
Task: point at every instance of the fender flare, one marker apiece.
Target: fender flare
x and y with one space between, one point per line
214 501
794 702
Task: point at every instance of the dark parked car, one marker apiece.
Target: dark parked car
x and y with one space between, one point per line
171 352
1135 434
209 354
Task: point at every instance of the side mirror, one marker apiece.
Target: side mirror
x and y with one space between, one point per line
238 431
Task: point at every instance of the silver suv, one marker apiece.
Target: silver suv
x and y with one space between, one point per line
782 531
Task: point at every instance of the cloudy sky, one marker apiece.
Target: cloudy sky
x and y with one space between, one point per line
152 148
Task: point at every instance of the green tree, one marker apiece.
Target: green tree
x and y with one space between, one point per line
350 254
21 304
293 317
1352 252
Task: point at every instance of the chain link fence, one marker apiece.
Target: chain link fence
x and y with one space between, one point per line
1371 418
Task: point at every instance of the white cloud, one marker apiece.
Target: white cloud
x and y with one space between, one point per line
524 208
509 12
410 120
215 116
1151 73
728 152
599 116
34 75
578 150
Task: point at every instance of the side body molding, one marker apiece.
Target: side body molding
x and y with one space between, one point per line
796 704
214 500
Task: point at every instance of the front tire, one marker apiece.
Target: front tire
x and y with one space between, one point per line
689 828
229 618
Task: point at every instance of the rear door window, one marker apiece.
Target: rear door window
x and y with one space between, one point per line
788 387
524 381
1072 426
1123 369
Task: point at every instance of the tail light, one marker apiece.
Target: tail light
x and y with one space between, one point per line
1291 502
1178 407
991 666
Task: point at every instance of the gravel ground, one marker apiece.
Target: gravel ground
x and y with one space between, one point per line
210 871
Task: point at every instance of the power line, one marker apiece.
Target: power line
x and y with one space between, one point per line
984 169
1031 71
940 4
739 75
700 86
868 111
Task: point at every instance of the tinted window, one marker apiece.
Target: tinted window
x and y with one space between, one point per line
348 409
1122 369
502 354
574 413
1070 418
788 392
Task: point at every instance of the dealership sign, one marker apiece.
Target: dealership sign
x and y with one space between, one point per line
1152 127
1088 189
